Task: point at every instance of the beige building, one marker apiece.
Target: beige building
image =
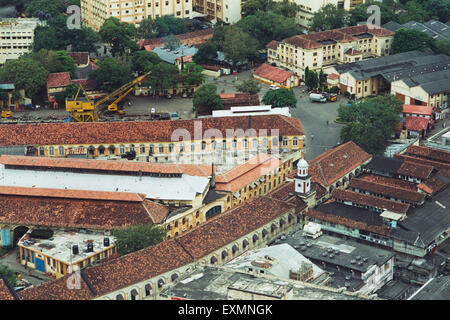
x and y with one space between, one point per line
16 37
228 11
321 49
95 12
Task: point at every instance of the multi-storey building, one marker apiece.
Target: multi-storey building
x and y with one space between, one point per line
321 49
95 12
16 37
228 11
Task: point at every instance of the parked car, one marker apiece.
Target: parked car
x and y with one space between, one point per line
174 116
273 87
317 97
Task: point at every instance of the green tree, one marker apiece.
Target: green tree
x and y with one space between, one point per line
268 26
134 238
163 76
4 97
47 6
166 25
239 46
359 12
84 40
206 98
328 17
120 35
322 79
147 29
68 64
171 42
442 47
251 86
371 122
280 98
219 34
207 51
438 8
312 79
192 74
408 40
286 8
111 74
251 7
143 61
414 12
25 73
48 59
9 274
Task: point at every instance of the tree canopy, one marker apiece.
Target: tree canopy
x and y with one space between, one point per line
25 73
206 98
408 40
239 46
371 122
134 238
143 61
280 98
328 17
163 76
120 35
111 74
251 86
207 51
267 26
192 74
8 273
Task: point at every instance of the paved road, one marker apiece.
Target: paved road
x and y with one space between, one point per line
33 276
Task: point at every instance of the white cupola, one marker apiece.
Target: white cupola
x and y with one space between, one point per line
302 179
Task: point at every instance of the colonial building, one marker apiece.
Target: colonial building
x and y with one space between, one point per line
321 49
95 12
199 140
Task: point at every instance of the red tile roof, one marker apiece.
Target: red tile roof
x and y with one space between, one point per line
232 225
347 222
136 131
334 163
444 168
415 170
74 213
244 174
81 58
416 123
393 182
311 40
366 200
272 73
333 76
88 85
432 185
71 194
239 99
429 153
55 80
272 44
385 190
413 109
60 289
5 293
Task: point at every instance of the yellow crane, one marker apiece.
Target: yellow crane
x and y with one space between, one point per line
85 110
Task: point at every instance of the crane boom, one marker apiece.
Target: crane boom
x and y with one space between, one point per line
121 89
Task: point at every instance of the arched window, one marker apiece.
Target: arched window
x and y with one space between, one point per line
101 150
151 149
174 277
61 151
51 151
161 148
91 150
160 283
182 147
295 141
132 148
142 148
245 144
148 289
254 143
122 149
111 149
203 145
213 211
119 297
134 294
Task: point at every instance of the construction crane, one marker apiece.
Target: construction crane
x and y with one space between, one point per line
6 111
84 110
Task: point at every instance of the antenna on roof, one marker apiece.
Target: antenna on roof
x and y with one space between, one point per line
213 177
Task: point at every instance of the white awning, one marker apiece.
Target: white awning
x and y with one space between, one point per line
391 215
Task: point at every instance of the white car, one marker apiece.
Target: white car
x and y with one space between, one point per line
153 110
273 87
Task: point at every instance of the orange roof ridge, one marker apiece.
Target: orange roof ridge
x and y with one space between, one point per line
70 194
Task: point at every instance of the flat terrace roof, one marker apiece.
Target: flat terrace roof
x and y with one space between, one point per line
59 246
